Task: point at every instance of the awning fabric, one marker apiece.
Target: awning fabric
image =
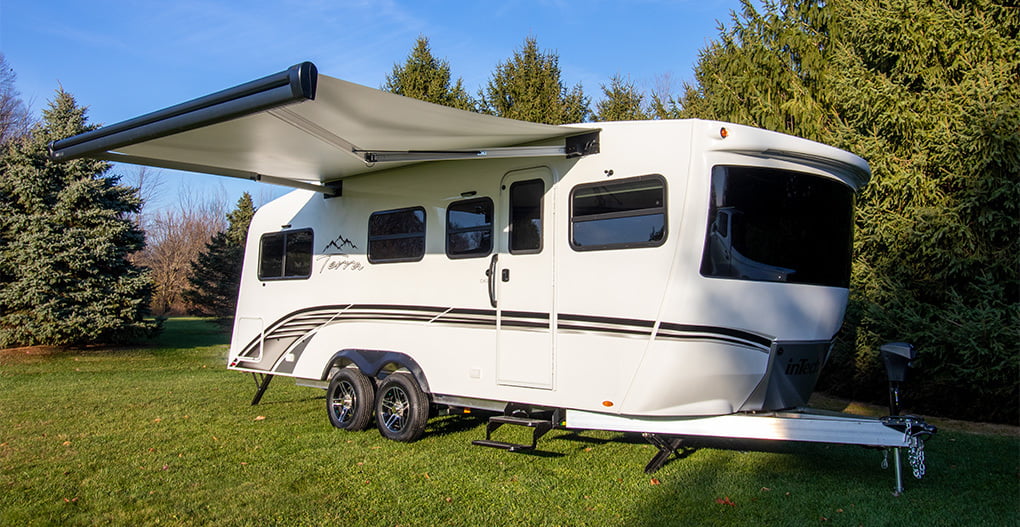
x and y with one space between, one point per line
298 128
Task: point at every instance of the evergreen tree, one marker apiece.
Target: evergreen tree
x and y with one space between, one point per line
622 102
528 87
215 277
927 92
424 77
65 237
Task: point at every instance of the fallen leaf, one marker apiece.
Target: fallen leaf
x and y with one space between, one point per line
152 450
587 449
655 481
449 500
766 489
427 476
725 501
166 467
66 443
244 462
260 418
214 438
839 510
156 420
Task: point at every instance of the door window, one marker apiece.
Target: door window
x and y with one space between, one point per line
526 216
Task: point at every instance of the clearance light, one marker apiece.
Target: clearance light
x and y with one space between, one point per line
607 404
724 133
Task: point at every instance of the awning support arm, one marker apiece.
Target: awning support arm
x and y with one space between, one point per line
328 190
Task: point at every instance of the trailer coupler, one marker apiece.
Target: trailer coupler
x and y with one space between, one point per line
915 433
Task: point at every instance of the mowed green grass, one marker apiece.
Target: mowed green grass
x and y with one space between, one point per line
166 435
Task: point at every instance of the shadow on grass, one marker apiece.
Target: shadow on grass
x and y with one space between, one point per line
577 436
455 424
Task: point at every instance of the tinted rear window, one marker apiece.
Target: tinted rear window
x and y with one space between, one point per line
774 225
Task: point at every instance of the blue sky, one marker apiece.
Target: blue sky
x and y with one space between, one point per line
126 58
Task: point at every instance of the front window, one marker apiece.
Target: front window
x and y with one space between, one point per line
773 225
285 255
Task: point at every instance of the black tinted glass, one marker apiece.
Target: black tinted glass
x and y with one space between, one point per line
396 235
299 254
469 228
271 256
779 226
526 216
406 221
619 214
285 254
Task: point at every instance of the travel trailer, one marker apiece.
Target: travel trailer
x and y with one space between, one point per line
676 278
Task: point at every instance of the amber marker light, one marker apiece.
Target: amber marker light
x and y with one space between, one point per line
607 404
724 133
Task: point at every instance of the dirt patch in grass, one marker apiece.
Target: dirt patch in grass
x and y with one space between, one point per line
30 353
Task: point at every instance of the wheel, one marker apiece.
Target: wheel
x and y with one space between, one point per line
401 408
349 400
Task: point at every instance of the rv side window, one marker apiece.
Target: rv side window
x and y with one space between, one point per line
469 228
618 214
285 255
772 225
396 235
526 216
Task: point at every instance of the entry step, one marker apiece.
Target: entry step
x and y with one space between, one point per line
518 421
540 426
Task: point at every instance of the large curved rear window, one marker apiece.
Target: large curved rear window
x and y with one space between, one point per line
774 225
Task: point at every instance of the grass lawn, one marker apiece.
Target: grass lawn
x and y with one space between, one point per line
165 435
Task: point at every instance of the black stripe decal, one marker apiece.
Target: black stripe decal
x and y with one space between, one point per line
300 323
736 333
608 320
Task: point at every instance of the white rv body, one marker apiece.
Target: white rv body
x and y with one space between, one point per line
677 277
633 331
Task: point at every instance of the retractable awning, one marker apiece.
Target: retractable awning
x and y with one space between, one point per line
300 129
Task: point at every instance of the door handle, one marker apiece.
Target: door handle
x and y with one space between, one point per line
491 273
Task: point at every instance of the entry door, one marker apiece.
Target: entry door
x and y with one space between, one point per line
524 280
